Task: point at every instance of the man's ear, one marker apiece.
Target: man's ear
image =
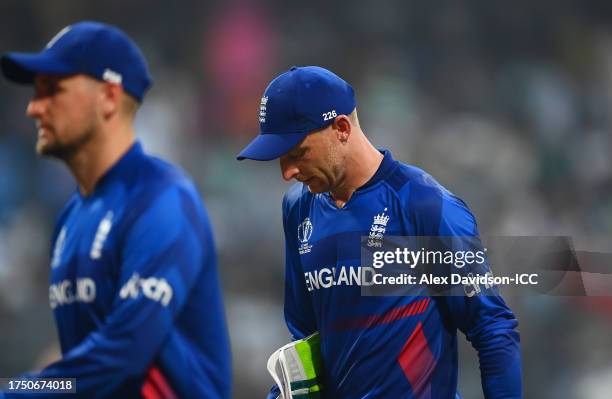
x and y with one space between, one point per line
342 127
111 98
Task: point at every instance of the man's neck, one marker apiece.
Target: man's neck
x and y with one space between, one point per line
361 165
97 156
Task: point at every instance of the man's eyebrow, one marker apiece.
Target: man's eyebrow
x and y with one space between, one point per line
47 81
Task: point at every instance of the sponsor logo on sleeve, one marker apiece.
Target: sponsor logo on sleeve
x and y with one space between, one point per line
155 289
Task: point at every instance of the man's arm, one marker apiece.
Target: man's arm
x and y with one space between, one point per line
161 258
485 319
299 315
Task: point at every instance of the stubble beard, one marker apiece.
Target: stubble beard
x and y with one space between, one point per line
64 151
333 175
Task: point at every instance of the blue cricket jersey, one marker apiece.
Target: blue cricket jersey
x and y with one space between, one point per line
389 347
134 288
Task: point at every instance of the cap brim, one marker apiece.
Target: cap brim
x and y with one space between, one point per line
23 67
267 147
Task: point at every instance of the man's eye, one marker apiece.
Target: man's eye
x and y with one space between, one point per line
48 88
53 88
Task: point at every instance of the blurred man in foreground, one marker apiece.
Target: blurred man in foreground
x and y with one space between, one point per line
371 346
134 286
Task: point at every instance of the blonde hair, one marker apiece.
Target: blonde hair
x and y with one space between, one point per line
354 118
129 105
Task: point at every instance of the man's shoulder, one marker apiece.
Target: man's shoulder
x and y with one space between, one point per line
159 189
410 180
422 195
296 194
156 176
157 169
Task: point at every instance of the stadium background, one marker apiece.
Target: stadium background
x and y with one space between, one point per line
507 104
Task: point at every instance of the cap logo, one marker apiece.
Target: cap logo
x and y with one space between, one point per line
111 76
262 109
58 36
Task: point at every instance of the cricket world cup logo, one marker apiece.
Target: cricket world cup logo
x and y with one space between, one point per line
304 233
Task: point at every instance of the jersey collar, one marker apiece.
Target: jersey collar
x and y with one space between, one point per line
384 170
120 170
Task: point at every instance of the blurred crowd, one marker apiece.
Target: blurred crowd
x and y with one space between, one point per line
507 104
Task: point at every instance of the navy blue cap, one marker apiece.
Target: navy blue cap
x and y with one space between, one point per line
93 48
295 104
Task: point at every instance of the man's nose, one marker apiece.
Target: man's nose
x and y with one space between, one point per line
288 170
35 108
